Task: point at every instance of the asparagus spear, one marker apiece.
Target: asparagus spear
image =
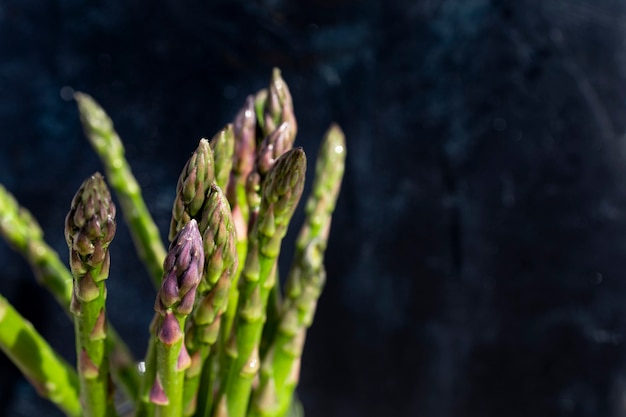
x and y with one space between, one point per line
107 144
183 268
277 122
89 229
218 235
281 193
244 127
269 150
193 184
23 233
223 145
52 377
191 194
280 369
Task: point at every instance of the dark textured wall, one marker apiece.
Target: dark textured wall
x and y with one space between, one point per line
476 266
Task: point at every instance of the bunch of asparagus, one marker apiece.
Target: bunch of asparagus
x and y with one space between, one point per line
227 337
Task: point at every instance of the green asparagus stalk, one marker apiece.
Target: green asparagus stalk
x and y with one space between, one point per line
223 146
278 125
218 235
281 365
52 377
320 205
273 313
281 192
89 229
244 130
269 150
183 268
107 144
23 233
193 184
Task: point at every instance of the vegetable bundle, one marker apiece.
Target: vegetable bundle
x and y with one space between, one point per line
226 338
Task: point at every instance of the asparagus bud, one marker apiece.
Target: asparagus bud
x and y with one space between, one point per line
183 268
89 229
193 184
218 236
281 193
273 146
223 145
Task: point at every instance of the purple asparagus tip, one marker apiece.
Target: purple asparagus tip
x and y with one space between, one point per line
183 268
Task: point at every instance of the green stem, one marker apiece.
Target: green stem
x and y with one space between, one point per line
202 387
93 358
273 313
170 375
53 378
249 327
233 294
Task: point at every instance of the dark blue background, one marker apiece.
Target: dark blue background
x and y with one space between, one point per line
476 265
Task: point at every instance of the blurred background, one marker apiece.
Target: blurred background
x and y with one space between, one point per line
476 263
